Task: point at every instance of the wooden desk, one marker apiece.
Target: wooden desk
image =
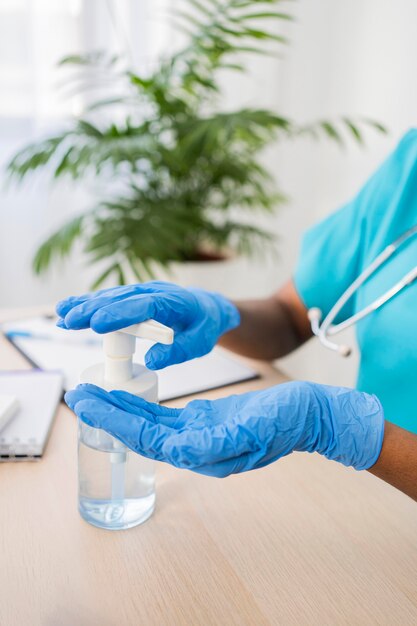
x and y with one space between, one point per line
304 541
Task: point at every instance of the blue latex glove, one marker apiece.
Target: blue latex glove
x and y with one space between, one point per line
241 432
198 317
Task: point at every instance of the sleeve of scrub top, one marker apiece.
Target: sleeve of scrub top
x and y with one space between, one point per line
332 252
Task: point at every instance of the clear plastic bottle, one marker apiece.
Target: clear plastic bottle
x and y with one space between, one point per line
116 487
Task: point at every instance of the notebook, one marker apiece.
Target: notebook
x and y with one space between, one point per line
38 394
51 348
9 406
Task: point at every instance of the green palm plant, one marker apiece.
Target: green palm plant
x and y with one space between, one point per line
182 165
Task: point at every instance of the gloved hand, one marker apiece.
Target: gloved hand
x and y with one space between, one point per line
198 317
241 432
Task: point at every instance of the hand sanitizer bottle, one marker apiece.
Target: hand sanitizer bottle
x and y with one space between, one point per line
117 486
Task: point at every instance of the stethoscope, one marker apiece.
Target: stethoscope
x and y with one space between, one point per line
326 328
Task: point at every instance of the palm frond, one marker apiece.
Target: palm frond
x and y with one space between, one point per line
58 245
181 164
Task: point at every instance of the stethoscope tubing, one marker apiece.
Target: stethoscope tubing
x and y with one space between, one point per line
324 329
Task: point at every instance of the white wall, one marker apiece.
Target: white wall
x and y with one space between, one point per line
353 58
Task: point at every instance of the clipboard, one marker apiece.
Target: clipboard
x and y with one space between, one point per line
72 351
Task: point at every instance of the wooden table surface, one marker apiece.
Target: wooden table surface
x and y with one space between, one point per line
304 541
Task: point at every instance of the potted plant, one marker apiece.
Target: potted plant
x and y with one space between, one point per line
178 165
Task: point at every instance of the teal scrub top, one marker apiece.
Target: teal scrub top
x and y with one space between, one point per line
334 252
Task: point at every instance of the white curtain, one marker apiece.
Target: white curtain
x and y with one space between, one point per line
34 100
34 34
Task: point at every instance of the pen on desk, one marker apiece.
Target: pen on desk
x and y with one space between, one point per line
25 334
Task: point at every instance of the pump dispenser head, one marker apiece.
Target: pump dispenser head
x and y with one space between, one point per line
119 348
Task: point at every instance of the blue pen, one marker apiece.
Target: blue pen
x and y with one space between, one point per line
25 334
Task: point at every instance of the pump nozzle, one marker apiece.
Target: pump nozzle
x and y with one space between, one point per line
119 348
151 329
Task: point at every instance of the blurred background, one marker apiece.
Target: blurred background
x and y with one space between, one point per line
343 58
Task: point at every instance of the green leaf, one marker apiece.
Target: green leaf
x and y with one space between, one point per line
243 4
99 104
58 245
377 125
64 165
263 34
252 50
140 82
75 59
96 57
331 131
264 15
87 128
236 67
121 275
354 129
34 156
112 269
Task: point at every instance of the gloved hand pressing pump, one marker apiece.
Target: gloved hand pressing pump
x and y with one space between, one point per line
241 432
198 317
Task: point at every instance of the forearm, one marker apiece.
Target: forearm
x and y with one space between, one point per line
265 331
270 328
397 463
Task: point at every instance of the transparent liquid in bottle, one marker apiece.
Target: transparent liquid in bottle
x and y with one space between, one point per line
116 486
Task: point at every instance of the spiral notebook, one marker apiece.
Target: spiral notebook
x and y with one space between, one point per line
38 394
